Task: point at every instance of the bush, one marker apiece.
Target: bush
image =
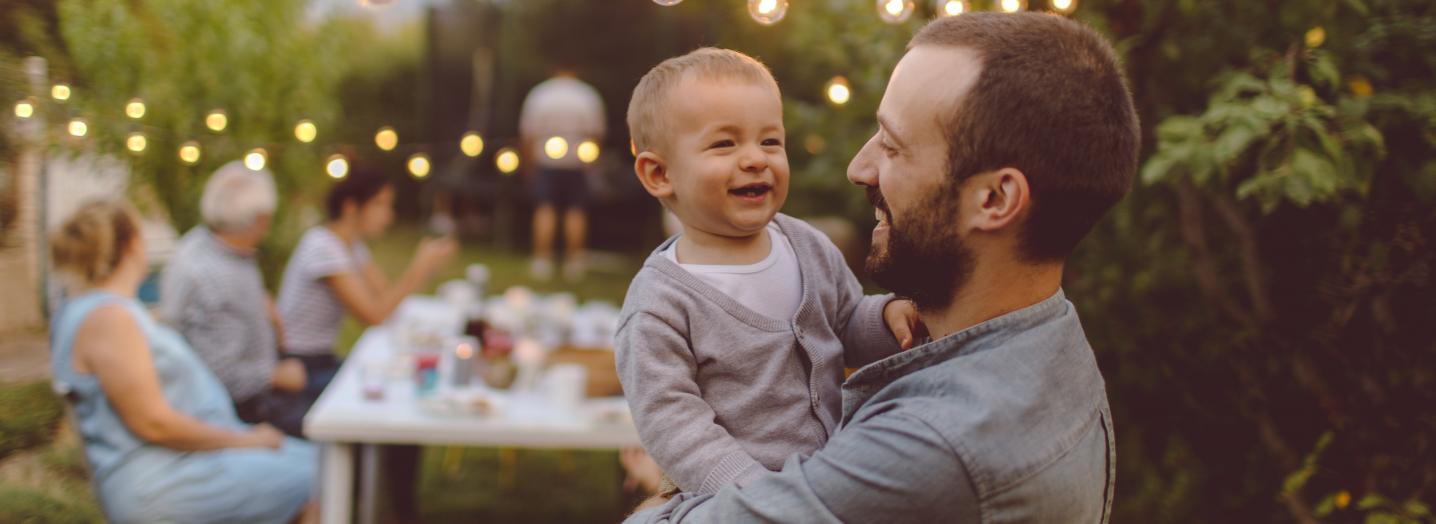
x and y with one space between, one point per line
22 506
29 414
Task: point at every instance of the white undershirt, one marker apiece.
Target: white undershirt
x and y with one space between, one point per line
772 287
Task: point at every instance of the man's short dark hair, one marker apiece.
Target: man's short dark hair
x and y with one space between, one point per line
1052 102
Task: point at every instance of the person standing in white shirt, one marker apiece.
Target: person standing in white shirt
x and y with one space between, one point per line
557 116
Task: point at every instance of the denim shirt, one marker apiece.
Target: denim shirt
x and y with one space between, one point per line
1006 421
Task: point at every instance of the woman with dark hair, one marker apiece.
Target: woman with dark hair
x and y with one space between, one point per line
331 273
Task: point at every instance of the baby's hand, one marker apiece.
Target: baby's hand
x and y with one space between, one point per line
902 319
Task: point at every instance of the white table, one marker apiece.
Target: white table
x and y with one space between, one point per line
342 418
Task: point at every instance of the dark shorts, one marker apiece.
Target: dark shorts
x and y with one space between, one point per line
561 188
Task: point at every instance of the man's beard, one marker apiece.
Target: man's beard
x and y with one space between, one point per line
925 259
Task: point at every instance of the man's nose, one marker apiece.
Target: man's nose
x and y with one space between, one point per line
862 171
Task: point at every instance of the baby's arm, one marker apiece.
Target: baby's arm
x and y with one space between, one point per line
861 326
678 428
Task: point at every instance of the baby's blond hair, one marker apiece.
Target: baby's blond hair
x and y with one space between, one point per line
647 116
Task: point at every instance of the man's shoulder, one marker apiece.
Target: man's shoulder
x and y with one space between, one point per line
1005 420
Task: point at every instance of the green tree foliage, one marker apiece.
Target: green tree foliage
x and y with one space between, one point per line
260 62
1269 280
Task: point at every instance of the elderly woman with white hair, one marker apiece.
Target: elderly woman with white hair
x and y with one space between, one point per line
213 293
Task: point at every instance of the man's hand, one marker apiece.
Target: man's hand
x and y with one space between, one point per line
289 376
903 321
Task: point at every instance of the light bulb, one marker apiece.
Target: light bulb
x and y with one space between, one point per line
78 127
507 161
768 12
1011 6
337 166
838 91
306 131
588 152
135 109
189 152
952 7
136 143
255 159
471 144
895 11
24 109
216 120
556 147
60 92
1064 6
419 165
387 139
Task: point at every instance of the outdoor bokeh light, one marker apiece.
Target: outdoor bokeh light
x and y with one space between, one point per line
306 131
386 138
135 109
471 144
216 120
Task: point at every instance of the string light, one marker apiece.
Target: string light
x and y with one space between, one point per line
838 91
60 92
135 109
556 147
337 166
136 142
768 12
507 161
588 152
216 120
895 11
255 159
956 7
1064 6
78 127
419 165
387 139
24 109
471 144
189 153
305 131
1012 6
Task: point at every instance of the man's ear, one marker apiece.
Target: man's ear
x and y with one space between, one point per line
652 172
1000 198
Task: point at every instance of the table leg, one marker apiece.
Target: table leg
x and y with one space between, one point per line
368 482
337 484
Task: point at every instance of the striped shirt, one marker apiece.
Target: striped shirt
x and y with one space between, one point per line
310 309
213 294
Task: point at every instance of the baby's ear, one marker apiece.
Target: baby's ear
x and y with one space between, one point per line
652 172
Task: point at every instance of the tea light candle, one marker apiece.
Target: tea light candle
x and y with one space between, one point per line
463 363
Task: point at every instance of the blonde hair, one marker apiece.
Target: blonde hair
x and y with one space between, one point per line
91 243
646 111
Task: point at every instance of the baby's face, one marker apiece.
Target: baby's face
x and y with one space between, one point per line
726 157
